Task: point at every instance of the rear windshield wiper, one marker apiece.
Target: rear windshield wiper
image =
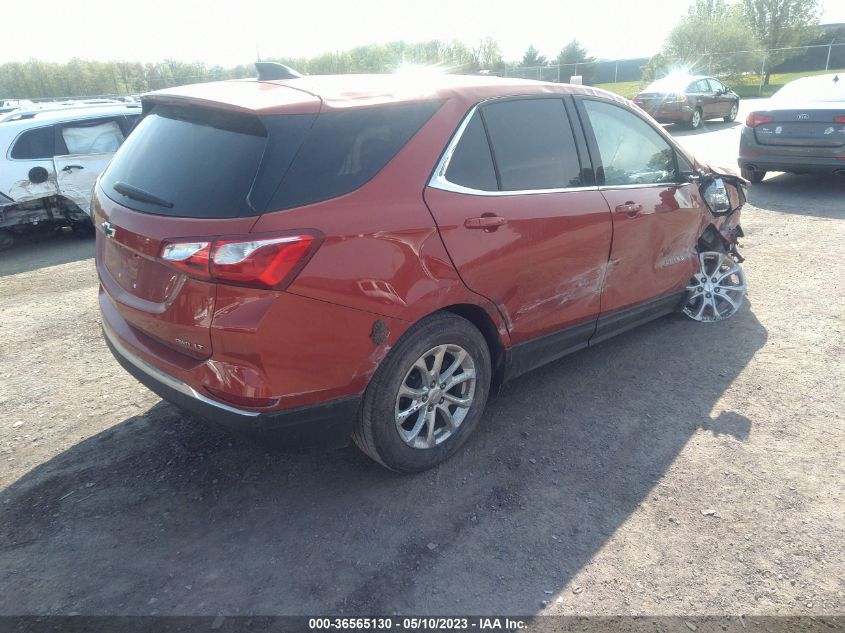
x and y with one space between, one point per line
139 194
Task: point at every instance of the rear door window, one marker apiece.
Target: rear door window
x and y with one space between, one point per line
533 144
98 137
35 144
471 164
716 85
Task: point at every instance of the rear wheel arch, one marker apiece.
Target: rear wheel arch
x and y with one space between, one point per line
478 317
389 396
481 319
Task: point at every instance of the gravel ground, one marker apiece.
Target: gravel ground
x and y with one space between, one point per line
680 469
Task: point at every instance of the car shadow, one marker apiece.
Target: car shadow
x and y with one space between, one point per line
713 125
165 514
40 251
801 194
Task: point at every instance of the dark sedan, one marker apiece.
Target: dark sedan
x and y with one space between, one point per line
688 100
800 130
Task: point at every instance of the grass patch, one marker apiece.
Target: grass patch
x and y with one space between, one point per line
746 86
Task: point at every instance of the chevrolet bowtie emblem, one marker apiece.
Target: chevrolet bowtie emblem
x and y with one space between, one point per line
108 229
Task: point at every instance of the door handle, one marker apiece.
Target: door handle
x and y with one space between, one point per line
69 167
486 222
631 209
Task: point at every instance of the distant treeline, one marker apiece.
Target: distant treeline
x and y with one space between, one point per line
36 79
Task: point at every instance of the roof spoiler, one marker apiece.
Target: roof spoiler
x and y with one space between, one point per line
269 71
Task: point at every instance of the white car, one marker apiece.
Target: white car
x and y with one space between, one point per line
50 159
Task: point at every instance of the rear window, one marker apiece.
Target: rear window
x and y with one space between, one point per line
34 144
214 164
345 149
193 163
819 88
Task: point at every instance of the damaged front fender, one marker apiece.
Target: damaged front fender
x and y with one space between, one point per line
724 194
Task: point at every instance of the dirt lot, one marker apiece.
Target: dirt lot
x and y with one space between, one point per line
683 468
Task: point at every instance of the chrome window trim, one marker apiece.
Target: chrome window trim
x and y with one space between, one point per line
439 181
158 375
643 185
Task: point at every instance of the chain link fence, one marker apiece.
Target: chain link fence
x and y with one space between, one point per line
751 71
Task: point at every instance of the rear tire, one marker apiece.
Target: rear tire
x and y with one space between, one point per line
752 175
420 426
83 229
6 240
696 119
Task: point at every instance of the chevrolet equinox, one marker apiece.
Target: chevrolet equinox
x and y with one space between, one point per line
373 256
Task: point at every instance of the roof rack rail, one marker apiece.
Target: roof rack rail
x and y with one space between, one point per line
269 71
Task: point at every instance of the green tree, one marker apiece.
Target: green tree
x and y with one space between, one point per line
708 9
658 66
781 24
488 55
573 53
576 60
712 38
532 57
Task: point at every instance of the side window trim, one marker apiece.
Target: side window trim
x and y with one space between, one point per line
490 147
438 179
584 159
593 146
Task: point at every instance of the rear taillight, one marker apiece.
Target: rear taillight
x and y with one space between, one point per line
681 98
189 257
839 119
755 118
258 261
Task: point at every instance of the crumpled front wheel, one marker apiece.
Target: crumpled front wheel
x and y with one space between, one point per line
717 290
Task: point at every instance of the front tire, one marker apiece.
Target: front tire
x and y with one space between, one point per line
717 290
427 396
732 114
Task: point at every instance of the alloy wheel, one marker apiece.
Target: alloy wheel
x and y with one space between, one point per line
734 111
435 396
717 290
696 119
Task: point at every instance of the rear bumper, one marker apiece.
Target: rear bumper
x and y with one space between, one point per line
672 117
675 115
794 164
790 158
324 424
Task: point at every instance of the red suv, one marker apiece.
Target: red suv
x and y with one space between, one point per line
372 256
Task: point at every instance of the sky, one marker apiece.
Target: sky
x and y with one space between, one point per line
234 32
